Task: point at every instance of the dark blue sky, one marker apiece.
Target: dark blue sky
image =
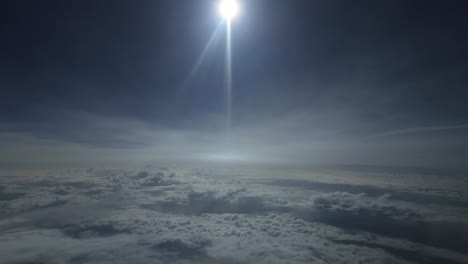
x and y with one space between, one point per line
319 80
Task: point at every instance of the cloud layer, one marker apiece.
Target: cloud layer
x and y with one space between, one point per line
229 216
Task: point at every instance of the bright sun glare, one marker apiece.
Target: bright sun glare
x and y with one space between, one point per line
229 9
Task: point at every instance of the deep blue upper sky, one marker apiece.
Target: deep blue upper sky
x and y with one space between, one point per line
341 68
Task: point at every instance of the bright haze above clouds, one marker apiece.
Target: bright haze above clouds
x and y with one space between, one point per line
333 82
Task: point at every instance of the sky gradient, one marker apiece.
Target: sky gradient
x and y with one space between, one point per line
333 82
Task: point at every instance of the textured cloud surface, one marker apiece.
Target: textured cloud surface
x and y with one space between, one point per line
241 215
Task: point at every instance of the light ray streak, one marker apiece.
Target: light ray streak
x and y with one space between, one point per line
201 58
228 80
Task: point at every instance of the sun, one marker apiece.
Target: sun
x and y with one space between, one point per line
228 9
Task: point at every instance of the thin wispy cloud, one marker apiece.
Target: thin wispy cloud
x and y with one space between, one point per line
414 130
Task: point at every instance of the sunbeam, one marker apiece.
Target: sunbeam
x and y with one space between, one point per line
228 81
201 58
